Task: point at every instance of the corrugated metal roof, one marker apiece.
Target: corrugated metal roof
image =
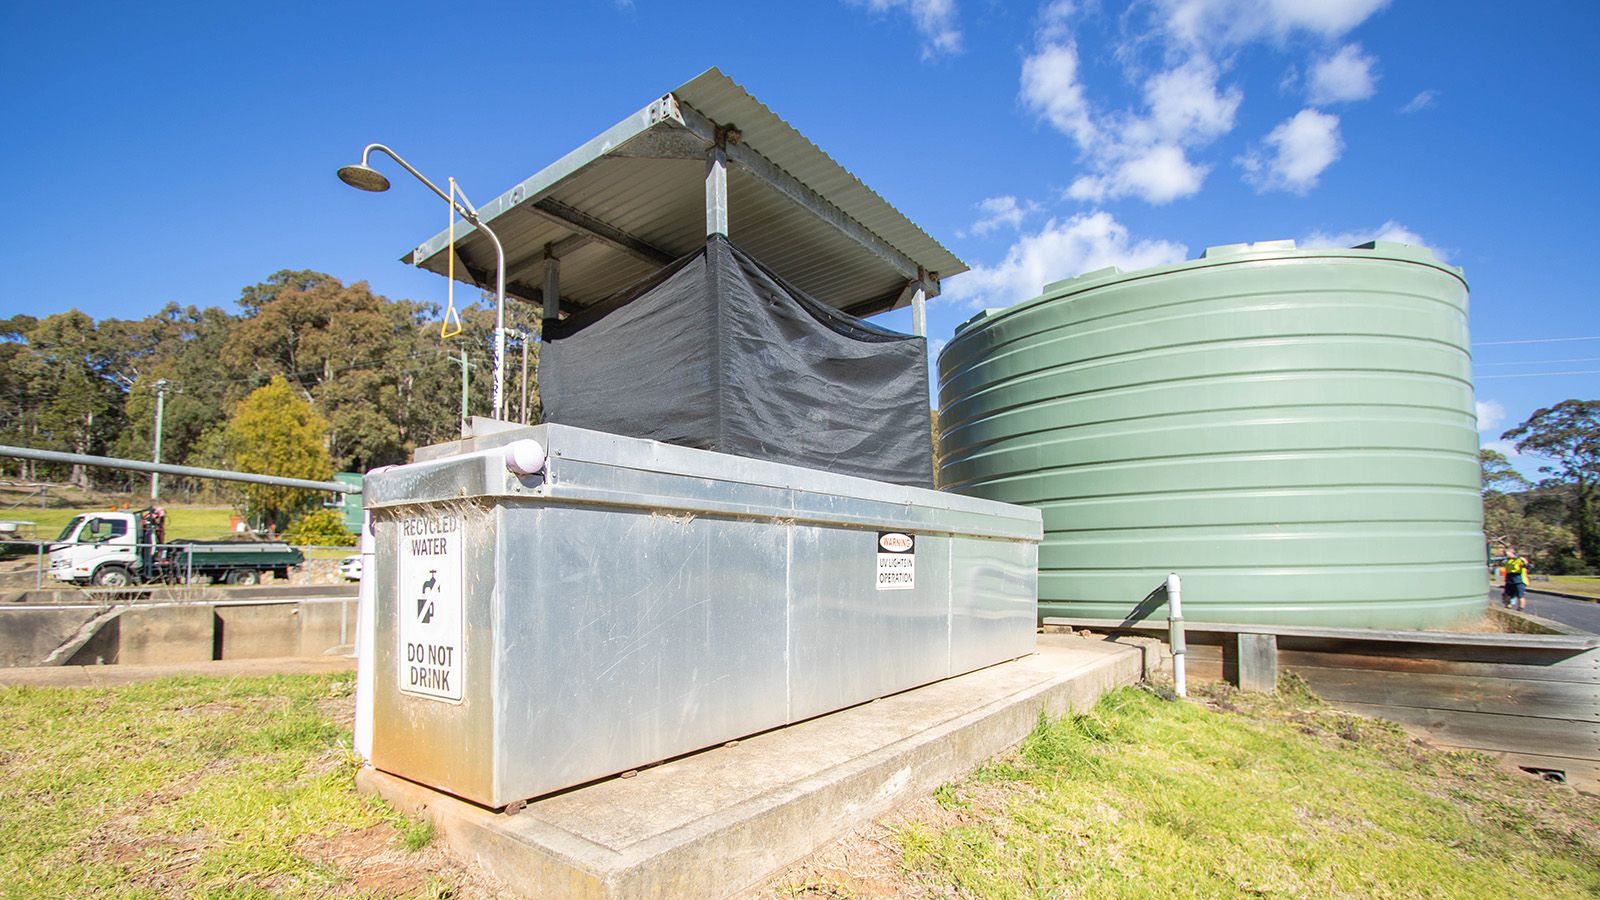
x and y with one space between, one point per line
659 204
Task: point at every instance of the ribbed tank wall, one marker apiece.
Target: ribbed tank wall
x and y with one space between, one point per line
1292 431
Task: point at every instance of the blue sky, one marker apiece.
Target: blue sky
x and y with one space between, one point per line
167 151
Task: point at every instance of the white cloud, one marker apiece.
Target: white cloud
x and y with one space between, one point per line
1050 87
1152 150
1388 231
1507 448
1297 153
1141 155
1212 22
935 20
1343 77
1420 102
1491 415
1002 212
1186 105
1158 174
1059 249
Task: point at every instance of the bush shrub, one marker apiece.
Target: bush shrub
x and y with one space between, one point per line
319 528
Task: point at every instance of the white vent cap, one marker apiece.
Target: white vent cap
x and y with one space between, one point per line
525 457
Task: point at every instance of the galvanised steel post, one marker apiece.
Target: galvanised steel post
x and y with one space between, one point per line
161 404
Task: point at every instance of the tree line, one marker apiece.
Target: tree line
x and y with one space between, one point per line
375 371
1555 521
366 380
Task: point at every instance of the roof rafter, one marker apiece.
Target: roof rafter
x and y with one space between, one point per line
583 223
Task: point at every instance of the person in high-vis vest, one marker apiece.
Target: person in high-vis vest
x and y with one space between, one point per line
1516 592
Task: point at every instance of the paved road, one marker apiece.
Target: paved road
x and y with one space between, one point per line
1584 614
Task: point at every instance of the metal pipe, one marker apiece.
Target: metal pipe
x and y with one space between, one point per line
79 459
470 213
1175 633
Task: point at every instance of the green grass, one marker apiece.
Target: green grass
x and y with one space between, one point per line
183 522
1145 796
194 523
211 787
417 833
1582 585
190 787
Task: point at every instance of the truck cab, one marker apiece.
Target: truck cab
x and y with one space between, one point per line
100 548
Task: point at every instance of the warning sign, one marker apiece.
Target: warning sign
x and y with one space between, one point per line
897 561
430 660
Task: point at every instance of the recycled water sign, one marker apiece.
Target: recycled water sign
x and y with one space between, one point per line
430 660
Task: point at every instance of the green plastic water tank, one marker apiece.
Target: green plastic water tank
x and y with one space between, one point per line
1292 431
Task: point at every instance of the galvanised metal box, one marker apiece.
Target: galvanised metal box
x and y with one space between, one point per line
632 601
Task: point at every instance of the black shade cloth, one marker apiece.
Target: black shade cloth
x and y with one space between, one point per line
717 352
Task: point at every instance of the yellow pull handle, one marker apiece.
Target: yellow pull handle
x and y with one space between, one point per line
450 278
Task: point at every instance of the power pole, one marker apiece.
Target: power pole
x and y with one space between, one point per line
525 337
161 405
462 362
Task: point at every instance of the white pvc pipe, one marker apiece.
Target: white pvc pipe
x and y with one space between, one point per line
1175 632
366 639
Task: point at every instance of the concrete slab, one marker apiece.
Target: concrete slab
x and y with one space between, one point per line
165 634
325 626
257 632
26 639
717 822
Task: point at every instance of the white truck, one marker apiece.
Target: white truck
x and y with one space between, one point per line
124 547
